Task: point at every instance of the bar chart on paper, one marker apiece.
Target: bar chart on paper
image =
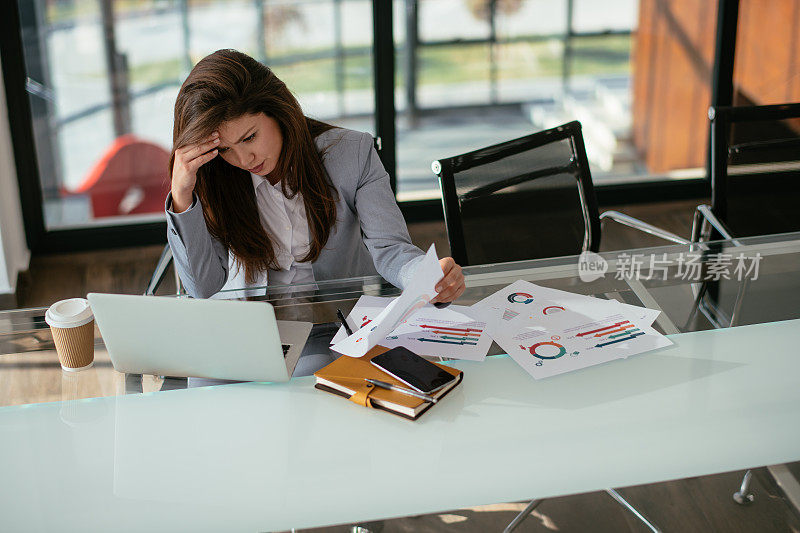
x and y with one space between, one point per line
449 335
618 332
442 332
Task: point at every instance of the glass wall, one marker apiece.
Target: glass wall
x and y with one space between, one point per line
103 76
485 72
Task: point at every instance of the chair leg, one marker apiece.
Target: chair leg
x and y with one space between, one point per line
178 285
698 299
160 271
623 502
522 516
697 222
744 496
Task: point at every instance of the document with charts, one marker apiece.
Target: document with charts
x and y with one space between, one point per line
549 344
442 332
548 331
428 331
525 297
417 294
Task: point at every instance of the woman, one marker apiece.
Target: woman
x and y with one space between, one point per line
290 198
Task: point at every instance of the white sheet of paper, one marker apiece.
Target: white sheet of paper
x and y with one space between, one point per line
366 309
589 305
428 331
418 293
546 345
442 332
525 297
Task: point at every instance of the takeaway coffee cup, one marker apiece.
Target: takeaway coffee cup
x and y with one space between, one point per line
72 324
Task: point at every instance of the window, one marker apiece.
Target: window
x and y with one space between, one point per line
103 76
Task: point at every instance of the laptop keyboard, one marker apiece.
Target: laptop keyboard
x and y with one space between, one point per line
285 349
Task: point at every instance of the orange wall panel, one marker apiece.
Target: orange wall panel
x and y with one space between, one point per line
672 66
767 49
671 82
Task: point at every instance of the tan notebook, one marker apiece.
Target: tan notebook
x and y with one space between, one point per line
346 377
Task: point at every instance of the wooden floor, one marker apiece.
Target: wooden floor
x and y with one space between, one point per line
695 505
701 504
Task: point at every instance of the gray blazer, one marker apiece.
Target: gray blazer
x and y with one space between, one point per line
370 235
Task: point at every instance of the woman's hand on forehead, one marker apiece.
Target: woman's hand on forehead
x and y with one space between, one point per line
188 159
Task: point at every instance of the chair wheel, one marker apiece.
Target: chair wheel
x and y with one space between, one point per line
743 499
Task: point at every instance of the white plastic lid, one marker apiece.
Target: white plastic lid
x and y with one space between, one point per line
69 313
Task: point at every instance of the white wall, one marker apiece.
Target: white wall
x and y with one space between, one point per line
14 253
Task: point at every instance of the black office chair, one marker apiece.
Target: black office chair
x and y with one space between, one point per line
527 198
755 187
755 182
755 190
754 172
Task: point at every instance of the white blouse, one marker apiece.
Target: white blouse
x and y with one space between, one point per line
286 223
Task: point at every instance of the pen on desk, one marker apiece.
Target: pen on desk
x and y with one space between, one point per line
344 322
389 386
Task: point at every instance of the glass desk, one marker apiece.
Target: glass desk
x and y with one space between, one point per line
240 456
696 288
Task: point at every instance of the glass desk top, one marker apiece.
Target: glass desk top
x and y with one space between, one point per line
698 287
240 457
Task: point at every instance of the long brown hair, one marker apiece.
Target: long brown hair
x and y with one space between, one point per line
227 85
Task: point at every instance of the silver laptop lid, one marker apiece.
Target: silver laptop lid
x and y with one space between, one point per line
199 338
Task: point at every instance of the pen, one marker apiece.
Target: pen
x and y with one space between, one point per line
384 385
344 322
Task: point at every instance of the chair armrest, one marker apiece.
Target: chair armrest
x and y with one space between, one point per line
160 271
704 214
643 226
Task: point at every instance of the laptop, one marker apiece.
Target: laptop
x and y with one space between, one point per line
183 337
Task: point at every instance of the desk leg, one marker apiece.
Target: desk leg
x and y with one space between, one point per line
647 299
133 384
787 483
623 502
744 496
737 306
521 516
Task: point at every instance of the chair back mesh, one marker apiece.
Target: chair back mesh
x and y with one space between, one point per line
523 199
762 186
